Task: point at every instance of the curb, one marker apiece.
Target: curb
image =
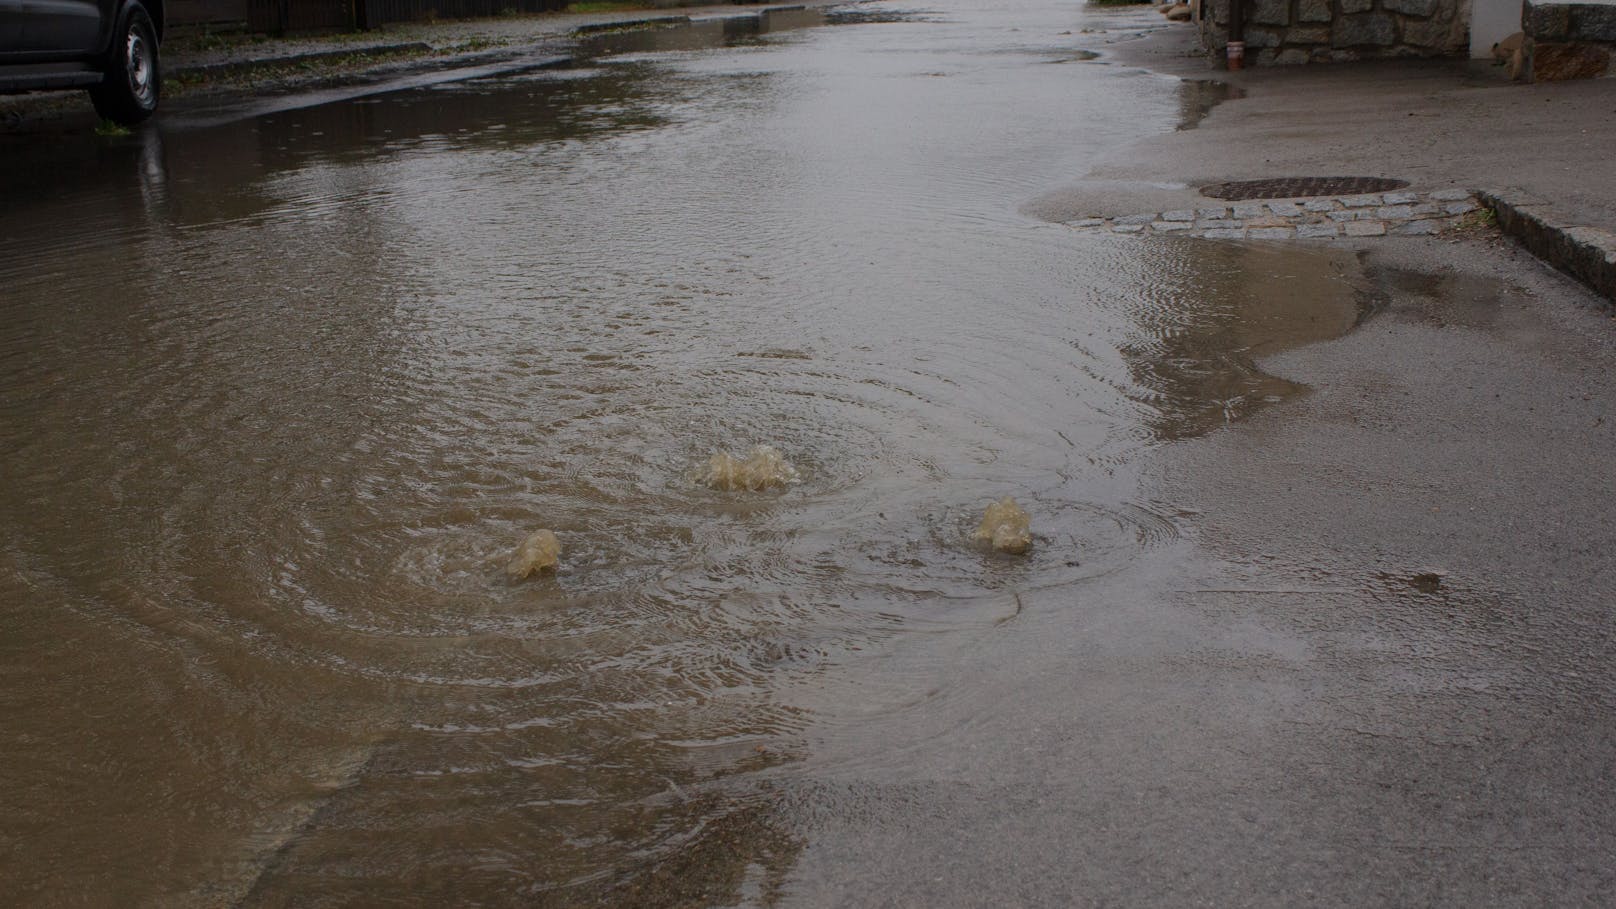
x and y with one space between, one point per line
1586 253
239 67
630 23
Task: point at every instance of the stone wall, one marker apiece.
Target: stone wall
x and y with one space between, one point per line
1568 40
1326 31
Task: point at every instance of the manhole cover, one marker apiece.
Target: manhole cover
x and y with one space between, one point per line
1293 187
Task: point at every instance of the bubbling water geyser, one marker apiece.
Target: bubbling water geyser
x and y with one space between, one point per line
764 467
1005 527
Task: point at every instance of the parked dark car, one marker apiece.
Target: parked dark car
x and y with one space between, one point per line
107 46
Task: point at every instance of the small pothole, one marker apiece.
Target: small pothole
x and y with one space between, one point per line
1299 187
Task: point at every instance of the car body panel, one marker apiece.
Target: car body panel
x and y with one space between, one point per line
53 44
10 29
65 27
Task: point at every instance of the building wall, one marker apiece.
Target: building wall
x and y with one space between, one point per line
1321 31
1491 21
1574 40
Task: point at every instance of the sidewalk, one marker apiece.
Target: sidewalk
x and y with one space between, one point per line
1443 126
203 52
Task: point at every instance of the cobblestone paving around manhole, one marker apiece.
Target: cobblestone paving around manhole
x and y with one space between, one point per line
1398 214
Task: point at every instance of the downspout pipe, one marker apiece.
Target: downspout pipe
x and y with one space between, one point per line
1236 48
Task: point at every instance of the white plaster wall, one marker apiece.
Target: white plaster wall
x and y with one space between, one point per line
1492 21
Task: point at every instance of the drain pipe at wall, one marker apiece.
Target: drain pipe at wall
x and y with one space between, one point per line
1237 34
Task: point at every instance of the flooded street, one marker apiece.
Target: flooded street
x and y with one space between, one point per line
283 391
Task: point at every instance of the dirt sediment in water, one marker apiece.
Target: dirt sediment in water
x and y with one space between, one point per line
541 551
764 467
1005 527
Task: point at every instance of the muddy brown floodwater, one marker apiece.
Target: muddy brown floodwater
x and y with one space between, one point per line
280 394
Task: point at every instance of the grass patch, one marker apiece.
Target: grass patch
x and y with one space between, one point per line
474 44
110 130
1480 222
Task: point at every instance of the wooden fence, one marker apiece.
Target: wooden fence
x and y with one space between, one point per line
281 16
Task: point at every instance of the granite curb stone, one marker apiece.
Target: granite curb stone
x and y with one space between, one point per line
1586 253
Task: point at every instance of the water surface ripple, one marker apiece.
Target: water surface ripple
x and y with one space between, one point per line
280 396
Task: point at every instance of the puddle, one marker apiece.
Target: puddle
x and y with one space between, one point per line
1197 97
1080 56
1423 582
268 476
1238 303
1442 299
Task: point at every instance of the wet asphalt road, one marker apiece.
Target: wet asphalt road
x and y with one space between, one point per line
1317 609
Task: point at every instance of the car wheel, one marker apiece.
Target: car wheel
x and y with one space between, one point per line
132 78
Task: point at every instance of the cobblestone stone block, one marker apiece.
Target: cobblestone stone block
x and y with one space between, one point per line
1411 7
1436 32
1313 10
1308 35
1270 12
1593 22
1546 21
1316 231
1559 62
1402 213
1367 30
1262 37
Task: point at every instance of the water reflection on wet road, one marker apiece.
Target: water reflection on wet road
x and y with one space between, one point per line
281 394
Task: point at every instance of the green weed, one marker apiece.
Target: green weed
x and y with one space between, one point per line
605 6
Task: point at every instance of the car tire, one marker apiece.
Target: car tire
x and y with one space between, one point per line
132 75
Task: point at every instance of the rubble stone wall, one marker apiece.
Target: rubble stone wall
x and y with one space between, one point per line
1569 40
1328 31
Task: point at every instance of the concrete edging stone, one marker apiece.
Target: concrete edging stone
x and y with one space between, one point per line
1586 253
238 67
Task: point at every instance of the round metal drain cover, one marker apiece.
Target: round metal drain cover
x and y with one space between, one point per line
1294 187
